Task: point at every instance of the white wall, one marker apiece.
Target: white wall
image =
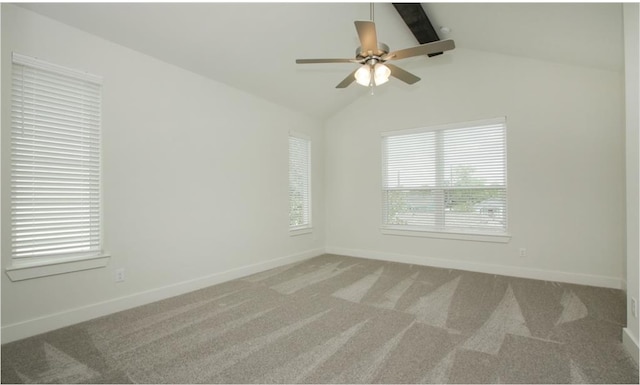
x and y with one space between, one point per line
195 181
566 191
632 103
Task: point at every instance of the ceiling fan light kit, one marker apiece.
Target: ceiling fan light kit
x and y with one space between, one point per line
372 75
372 56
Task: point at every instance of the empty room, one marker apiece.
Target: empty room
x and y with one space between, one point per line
320 192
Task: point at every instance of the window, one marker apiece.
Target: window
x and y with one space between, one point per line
299 183
447 179
55 164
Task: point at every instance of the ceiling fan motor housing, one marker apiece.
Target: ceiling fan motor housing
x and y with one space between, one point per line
382 50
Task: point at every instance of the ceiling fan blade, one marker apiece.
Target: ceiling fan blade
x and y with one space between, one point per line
424 49
401 74
367 35
348 80
316 61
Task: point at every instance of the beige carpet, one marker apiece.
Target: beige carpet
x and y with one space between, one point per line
336 319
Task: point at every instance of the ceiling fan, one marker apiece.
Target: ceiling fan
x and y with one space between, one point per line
373 57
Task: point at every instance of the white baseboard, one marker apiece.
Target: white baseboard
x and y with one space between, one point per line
630 344
513 271
54 321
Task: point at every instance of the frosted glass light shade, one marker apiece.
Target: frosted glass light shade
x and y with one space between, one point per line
363 75
381 74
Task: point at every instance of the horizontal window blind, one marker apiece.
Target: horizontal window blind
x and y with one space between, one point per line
299 183
448 179
55 160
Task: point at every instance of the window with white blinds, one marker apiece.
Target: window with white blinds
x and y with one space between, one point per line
55 161
299 183
449 178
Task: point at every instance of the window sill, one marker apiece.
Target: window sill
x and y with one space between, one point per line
21 271
502 238
306 230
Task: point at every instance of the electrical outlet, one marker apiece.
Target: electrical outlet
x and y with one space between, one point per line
634 307
120 275
523 252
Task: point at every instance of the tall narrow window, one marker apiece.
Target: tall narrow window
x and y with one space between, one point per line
55 162
446 179
299 183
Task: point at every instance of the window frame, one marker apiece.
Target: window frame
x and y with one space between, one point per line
445 233
307 227
35 266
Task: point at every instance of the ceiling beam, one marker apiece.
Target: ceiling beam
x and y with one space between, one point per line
416 19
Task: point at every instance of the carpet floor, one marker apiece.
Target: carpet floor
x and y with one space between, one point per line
334 319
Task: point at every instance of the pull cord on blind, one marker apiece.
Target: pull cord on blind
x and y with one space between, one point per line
55 160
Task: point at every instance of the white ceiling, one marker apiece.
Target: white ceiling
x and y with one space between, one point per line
253 46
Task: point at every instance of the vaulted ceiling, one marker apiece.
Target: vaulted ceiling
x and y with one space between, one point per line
253 46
